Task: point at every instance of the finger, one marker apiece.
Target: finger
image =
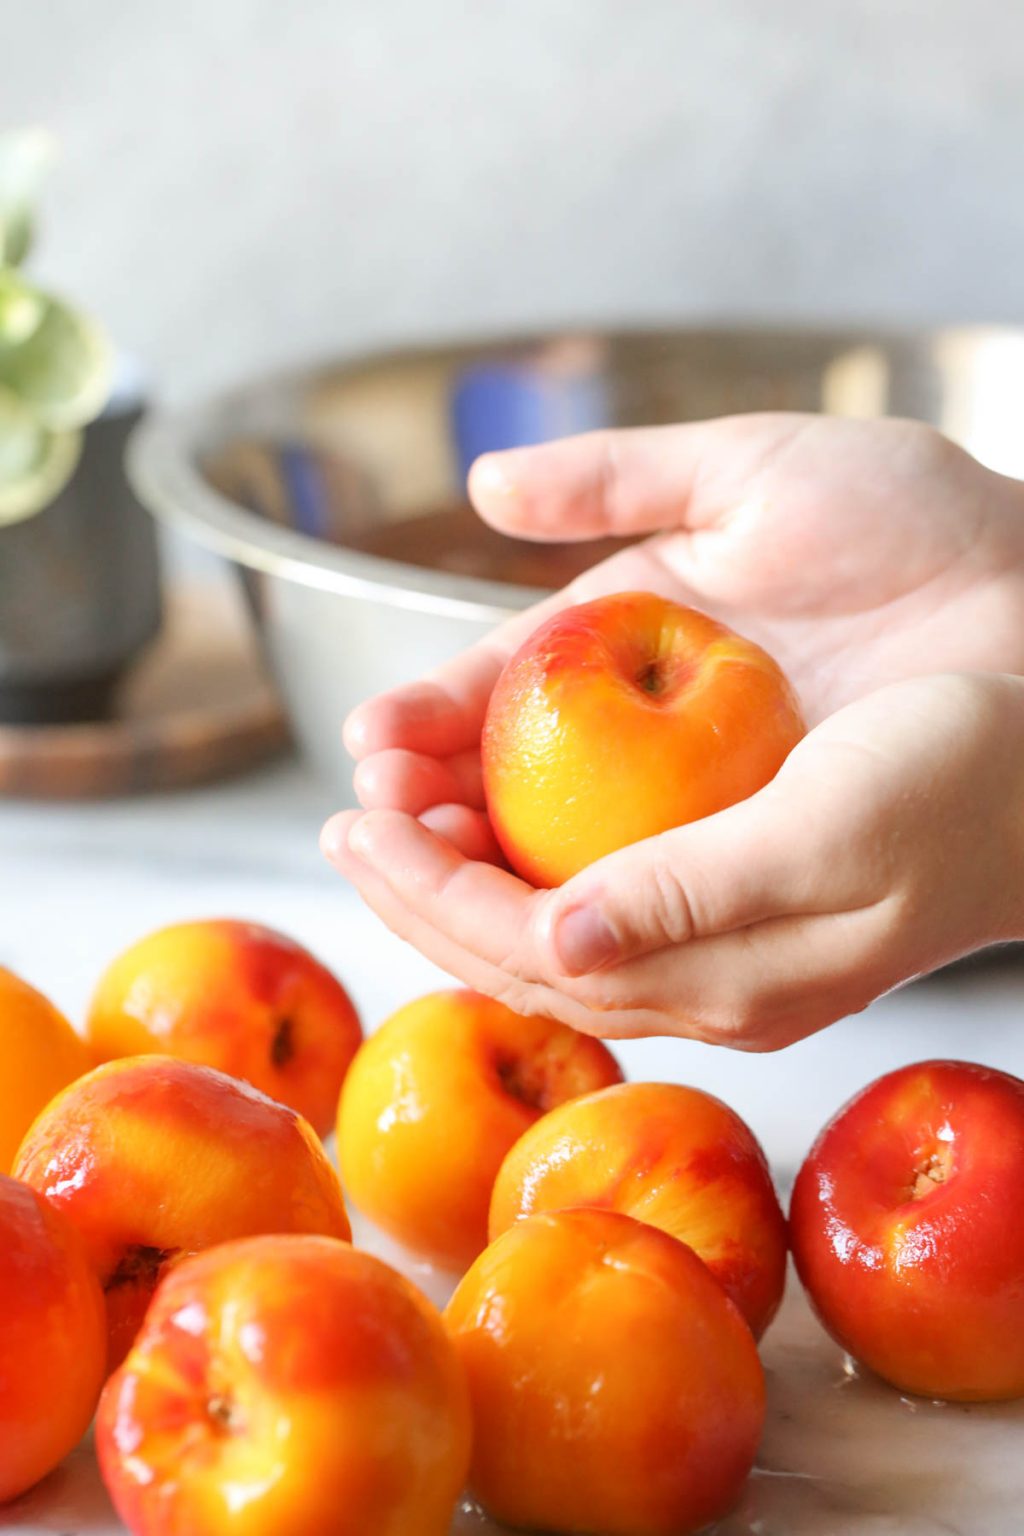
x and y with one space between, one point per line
755 989
396 779
762 988
625 482
376 892
466 966
743 865
467 830
476 905
440 715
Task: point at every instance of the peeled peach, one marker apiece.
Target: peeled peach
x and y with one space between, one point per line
53 1338
622 718
286 1386
669 1155
436 1098
153 1159
237 997
615 1387
39 1055
905 1225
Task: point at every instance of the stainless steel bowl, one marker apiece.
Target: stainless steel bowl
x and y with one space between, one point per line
338 492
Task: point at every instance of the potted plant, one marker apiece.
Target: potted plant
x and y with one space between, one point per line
79 590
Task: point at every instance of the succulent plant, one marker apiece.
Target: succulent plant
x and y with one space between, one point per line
55 363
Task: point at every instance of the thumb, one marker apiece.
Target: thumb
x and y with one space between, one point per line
740 866
626 482
603 483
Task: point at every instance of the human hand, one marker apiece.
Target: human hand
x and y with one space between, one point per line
856 553
891 841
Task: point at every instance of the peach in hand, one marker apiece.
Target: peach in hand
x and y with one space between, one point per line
39 1055
153 1159
905 1232
286 1385
234 996
621 718
434 1101
614 1385
672 1156
53 1338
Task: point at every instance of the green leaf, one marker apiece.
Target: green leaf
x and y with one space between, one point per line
35 463
25 157
62 369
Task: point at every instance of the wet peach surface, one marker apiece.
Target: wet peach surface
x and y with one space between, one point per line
236 996
287 1385
906 1229
670 1155
615 1387
53 1340
433 1102
622 718
153 1159
40 1054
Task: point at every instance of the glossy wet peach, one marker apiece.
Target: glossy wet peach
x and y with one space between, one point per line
153 1159
286 1385
53 1338
906 1232
615 1387
434 1101
669 1155
621 718
238 997
39 1055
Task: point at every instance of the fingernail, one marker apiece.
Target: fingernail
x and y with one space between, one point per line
353 734
584 941
490 475
360 838
335 836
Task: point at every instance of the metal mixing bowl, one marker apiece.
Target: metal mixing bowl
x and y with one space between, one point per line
339 492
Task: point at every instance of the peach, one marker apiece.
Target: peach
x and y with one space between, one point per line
906 1232
153 1159
434 1101
621 718
237 997
39 1055
668 1155
615 1387
286 1385
53 1338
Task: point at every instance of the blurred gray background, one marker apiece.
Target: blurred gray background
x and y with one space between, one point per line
249 182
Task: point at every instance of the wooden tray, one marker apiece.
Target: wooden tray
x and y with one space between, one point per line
198 706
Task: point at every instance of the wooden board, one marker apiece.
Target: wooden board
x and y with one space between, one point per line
198 706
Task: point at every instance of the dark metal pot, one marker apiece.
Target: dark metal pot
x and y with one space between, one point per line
79 588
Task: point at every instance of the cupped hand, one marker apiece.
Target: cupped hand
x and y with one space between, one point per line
858 554
891 841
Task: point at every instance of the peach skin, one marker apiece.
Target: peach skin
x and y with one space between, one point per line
614 1385
621 718
286 1385
671 1156
435 1099
53 1338
906 1232
153 1158
234 996
40 1053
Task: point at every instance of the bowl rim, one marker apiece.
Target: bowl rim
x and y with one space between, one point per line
161 451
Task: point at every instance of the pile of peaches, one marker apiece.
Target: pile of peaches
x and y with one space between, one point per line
174 1245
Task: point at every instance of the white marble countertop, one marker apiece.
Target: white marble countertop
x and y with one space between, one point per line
841 1456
